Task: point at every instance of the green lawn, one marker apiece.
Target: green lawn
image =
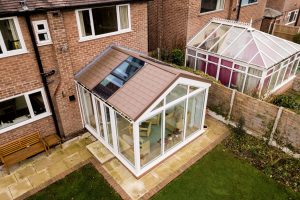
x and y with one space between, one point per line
83 184
219 175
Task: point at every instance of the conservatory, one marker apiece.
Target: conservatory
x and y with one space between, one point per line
140 109
243 58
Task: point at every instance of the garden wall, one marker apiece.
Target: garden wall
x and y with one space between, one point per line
260 116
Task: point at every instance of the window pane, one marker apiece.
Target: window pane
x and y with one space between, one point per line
13 111
125 138
43 37
100 122
252 86
288 71
108 126
108 86
9 34
266 86
105 20
177 92
237 80
245 2
174 124
150 139
128 68
85 23
280 77
37 103
124 19
273 81
211 5
190 62
201 65
195 113
212 69
89 110
40 26
224 76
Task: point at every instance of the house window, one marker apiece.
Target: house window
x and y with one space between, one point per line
103 21
22 109
247 2
292 17
11 41
211 5
42 32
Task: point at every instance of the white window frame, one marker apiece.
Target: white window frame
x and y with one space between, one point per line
93 36
209 12
37 32
248 4
29 106
289 15
19 32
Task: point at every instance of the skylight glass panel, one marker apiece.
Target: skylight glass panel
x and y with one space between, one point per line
268 51
248 53
283 44
118 77
257 60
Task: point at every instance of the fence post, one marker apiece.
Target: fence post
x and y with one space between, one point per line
231 105
279 113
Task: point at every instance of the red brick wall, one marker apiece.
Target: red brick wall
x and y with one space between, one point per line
20 73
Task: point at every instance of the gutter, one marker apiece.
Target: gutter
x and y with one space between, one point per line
43 74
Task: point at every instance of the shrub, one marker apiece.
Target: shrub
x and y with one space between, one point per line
297 38
286 101
177 57
239 130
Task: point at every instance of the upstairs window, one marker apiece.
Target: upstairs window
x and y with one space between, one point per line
11 41
247 2
103 21
211 5
292 17
42 32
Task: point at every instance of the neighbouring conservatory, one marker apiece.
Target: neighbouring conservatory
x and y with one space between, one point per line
243 58
139 108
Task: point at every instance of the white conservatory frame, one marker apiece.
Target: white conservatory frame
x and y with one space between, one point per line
136 168
271 64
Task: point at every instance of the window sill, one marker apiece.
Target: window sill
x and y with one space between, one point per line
250 4
44 44
25 122
15 53
83 39
289 23
210 12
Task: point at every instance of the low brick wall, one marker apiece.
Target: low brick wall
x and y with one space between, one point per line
259 116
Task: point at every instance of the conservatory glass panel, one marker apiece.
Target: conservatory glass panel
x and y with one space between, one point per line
238 45
204 34
151 139
266 85
255 72
224 76
268 61
288 71
191 62
295 67
212 69
195 113
273 80
108 126
283 44
252 86
201 65
237 80
248 53
159 105
257 60
191 52
89 109
268 51
174 124
192 89
100 122
211 40
125 138
228 39
226 63
200 55
281 74
179 91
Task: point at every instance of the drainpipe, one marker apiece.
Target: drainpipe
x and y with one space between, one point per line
43 75
239 10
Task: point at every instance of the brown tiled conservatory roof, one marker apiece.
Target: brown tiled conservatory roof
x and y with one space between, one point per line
11 6
140 91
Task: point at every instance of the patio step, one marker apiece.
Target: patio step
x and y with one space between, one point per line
100 152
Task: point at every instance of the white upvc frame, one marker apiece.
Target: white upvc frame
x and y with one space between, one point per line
94 36
44 31
289 15
33 117
20 35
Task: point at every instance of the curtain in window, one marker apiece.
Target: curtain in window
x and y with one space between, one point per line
124 20
220 4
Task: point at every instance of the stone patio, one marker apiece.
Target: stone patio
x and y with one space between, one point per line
40 171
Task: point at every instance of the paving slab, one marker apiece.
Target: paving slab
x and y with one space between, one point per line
5 195
20 188
24 172
101 153
39 178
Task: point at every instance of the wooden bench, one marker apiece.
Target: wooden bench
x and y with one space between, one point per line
21 148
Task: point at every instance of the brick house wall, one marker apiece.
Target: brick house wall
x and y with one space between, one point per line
67 56
181 20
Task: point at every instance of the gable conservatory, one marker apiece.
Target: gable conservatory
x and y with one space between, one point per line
243 58
140 109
